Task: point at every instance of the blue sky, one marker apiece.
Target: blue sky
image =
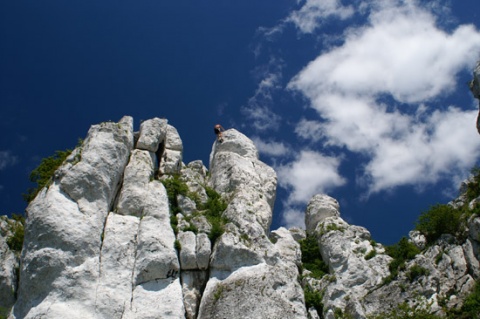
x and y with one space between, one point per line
366 101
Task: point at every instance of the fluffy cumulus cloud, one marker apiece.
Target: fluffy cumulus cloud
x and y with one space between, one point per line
7 159
309 174
378 95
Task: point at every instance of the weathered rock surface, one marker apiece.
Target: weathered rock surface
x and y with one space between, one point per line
250 277
104 241
475 88
124 230
442 273
9 262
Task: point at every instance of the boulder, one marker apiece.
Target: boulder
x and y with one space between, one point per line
152 133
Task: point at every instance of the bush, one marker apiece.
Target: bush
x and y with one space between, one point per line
404 311
175 186
4 313
214 208
311 257
43 173
440 219
313 299
400 252
15 241
415 272
371 254
471 306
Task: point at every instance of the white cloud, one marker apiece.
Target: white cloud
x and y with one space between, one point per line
402 53
309 174
7 159
271 148
293 218
443 145
313 12
401 57
259 107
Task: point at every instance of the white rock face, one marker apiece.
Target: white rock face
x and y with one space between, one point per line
63 237
157 299
117 261
83 261
152 133
171 161
475 88
344 248
260 291
358 267
188 252
320 207
250 277
102 241
8 263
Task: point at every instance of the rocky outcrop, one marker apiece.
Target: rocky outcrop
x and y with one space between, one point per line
9 263
126 230
250 277
475 88
441 275
106 240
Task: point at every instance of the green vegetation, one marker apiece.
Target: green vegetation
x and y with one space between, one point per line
470 308
338 314
313 299
177 245
445 219
371 254
17 227
440 219
311 257
416 271
4 313
401 252
214 208
43 173
218 293
473 188
404 311
175 186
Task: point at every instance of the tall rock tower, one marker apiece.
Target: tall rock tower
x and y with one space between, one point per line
106 239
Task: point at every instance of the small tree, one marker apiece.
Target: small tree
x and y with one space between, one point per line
17 227
400 252
311 257
439 219
43 173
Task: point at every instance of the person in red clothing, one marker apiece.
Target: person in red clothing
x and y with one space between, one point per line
218 129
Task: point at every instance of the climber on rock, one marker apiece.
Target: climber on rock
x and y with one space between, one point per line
218 129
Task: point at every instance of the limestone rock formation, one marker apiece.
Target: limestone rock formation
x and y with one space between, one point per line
9 263
107 239
475 88
126 230
357 285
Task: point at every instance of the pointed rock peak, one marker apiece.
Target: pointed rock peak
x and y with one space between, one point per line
235 142
320 207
